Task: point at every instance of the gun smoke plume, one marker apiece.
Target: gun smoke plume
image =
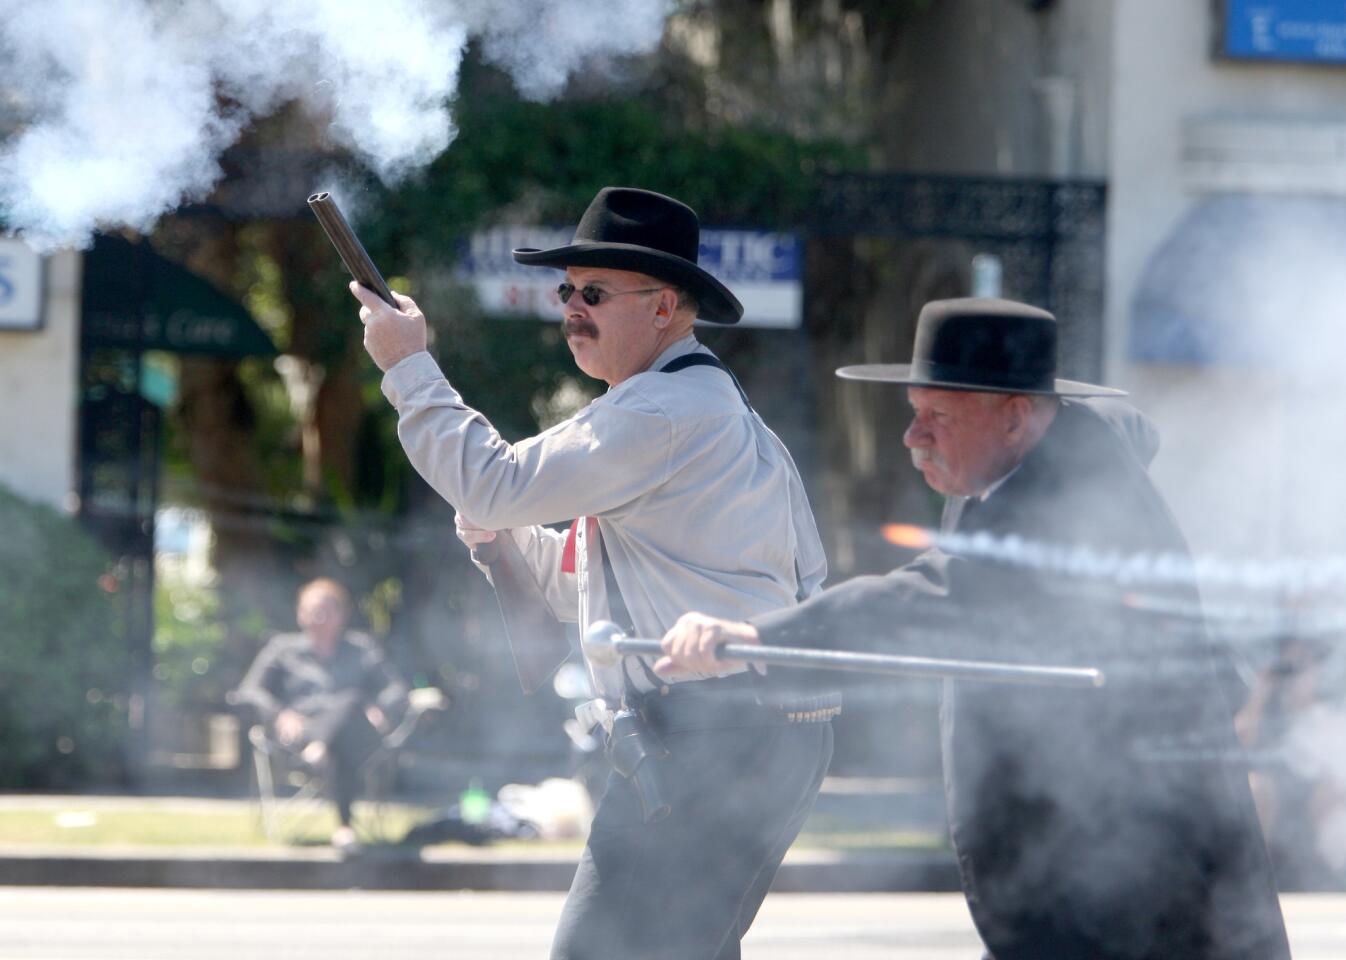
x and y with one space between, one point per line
113 112
1238 318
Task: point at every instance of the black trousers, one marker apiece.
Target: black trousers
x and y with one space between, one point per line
351 740
688 887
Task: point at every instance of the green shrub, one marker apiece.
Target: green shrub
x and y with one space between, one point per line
63 663
188 640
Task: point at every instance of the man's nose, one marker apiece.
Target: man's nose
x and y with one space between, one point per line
916 435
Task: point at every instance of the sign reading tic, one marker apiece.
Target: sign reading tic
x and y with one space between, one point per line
763 270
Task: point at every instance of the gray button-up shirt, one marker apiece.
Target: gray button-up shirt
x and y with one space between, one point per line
698 503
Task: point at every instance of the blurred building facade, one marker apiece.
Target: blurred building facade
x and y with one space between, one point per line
1226 180
38 369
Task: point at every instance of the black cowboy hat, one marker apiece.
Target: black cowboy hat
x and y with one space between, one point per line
984 345
629 229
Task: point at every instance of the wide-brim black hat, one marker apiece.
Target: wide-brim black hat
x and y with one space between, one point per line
629 229
983 345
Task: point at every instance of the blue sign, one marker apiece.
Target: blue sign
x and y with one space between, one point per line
1287 30
750 256
763 269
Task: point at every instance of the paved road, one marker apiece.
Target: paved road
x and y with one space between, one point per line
73 923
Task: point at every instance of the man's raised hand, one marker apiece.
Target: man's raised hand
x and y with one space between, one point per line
390 335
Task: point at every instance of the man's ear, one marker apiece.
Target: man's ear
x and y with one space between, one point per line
1018 414
666 309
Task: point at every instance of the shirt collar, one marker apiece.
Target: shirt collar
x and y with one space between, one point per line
687 344
985 494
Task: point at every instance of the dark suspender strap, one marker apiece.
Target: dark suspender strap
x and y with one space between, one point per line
704 360
622 617
616 605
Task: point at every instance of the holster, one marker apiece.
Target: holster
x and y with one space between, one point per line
537 640
635 751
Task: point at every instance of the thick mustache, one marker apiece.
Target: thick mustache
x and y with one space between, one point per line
921 456
574 328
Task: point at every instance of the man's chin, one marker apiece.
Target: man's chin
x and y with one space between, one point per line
934 480
584 358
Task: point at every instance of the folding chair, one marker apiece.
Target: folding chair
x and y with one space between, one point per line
291 794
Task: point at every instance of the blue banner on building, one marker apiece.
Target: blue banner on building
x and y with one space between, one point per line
1287 30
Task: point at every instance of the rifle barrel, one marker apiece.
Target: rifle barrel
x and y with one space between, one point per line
604 644
352 252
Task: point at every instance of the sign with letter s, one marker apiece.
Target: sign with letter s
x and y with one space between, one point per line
20 286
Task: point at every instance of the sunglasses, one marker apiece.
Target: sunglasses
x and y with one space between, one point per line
593 296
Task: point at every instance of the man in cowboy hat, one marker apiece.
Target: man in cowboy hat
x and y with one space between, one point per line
1105 824
680 498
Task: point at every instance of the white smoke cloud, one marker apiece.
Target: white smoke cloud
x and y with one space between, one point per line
122 107
537 40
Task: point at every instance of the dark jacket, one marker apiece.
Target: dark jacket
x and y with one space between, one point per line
1090 824
288 673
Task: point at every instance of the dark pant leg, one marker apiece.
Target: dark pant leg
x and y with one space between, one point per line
687 887
752 900
347 750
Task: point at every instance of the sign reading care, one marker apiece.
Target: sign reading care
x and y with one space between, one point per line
763 270
20 286
135 299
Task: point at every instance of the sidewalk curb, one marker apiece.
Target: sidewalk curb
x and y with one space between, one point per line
861 872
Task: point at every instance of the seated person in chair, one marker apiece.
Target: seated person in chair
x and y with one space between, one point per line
326 694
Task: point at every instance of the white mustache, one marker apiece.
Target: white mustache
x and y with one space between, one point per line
920 456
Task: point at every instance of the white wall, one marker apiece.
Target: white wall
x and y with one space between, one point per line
37 391
1251 462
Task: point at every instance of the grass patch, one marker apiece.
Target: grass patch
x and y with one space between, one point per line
170 828
157 826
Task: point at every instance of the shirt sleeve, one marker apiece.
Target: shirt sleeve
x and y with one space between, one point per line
864 613
608 454
383 685
942 606
258 688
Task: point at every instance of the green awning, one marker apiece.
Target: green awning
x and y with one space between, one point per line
137 299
